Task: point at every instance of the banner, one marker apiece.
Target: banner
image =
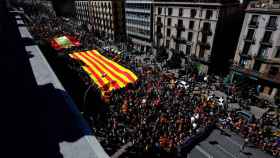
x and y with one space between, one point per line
64 42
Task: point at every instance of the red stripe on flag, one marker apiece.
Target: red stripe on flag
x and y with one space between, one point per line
114 67
101 82
106 67
99 69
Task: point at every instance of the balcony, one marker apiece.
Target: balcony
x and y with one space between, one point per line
244 55
253 25
180 27
251 40
201 60
271 27
159 35
179 40
266 43
208 32
204 44
256 74
267 60
159 24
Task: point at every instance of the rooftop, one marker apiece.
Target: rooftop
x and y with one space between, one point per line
265 7
41 119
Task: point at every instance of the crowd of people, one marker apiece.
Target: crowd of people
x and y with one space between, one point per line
156 114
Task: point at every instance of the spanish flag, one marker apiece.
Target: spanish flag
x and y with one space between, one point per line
107 74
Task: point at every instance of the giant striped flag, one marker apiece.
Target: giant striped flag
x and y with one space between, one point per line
107 74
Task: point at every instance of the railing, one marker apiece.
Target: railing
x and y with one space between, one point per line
204 44
206 31
265 59
159 24
180 27
248 56
264 76
179 39
271 27
250 39
266 42
253 24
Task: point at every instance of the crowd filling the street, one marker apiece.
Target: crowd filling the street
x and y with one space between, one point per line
161 112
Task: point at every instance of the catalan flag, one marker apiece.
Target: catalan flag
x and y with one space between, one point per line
107 74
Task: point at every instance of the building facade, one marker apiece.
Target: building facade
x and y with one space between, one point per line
104 17
195 29
138 16
258 53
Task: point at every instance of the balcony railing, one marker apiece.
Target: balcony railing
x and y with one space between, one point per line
180 27
265 59
251 40
159 34
271 27
203 44
253 73
244 55
179 39
253 24
159 24
266 42
202 60
208 32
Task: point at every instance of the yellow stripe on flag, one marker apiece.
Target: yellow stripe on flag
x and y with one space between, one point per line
93 68
104 69
91 76
117 65
121 75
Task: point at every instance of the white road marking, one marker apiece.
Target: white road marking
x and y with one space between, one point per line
205 153
225 151
234 142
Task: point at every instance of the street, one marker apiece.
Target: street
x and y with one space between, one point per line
225 146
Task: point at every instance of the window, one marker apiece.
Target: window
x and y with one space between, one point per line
190 36
267 36
170 10
263 52
180 22
193 13
209 14
204 38
191 25
250 34
243 62
254 20
169 22
246 48
201 52
167 43
188 49
272 21
273 71
277 55
206 26
181 12
257 66
168 32
159 10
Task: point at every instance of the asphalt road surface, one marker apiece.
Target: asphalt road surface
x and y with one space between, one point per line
227 145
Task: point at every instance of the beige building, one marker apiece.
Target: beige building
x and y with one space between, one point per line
105 17
196 29
257 58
